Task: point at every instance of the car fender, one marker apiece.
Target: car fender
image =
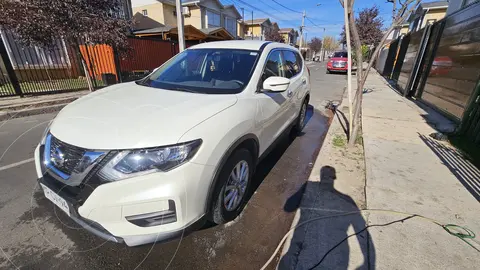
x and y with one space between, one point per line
221 135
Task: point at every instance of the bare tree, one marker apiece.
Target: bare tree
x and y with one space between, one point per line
315 44
400 14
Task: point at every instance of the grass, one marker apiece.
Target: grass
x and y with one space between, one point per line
339 141
47 86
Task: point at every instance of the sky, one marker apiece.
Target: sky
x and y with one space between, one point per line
328 15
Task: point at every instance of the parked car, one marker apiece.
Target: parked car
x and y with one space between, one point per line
338 62
151 160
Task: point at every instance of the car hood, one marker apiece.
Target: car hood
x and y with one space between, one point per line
128 115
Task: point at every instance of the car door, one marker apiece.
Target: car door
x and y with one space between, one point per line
272 107
294 72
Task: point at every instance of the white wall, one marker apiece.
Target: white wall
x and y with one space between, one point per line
139 3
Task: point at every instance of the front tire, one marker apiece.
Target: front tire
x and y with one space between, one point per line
328 71
234 183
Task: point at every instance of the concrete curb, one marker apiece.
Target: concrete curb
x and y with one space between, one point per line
45 103
323 149
32 111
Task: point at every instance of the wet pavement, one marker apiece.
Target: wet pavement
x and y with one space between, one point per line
34 236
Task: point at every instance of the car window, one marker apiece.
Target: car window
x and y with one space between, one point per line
340 54
273 66
299 61
208 71
291 66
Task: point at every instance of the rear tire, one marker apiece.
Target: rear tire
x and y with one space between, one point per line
232 187
300 122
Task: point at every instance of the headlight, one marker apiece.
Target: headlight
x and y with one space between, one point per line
45 132
129 163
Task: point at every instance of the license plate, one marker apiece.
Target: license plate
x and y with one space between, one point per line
57 200
338 65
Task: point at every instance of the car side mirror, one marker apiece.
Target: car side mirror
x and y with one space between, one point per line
276 84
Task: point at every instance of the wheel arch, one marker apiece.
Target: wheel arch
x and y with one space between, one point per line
248 141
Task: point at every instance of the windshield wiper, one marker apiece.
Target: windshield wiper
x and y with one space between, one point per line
141 82
184 90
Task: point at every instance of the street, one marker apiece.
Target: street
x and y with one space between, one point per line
36 235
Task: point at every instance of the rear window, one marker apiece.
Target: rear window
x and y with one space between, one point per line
340 54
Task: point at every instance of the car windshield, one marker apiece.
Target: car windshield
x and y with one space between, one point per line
340 54
206 71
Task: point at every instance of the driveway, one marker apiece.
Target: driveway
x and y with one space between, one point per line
35 235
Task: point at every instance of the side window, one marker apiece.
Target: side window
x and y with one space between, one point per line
291 66
299 61
274 65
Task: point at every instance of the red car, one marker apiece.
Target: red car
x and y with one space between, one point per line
338 62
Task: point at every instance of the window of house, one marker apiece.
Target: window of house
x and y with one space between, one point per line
231 26
144 12
213 19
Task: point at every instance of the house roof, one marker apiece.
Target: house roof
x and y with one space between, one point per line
214 30
436 4
256 21
162 29
141 22
285 30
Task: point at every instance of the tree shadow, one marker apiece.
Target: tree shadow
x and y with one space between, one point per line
464 170
322 244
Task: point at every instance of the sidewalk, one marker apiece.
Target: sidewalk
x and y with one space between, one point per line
408 171
404 170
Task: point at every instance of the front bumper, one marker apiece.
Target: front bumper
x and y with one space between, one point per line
124 211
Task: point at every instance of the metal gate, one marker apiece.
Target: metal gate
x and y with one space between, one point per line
400 56
470 127
390 61
38 70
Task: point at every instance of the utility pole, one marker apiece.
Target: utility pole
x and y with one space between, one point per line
251 27
301 29
323 44
243 23
349 68
181 37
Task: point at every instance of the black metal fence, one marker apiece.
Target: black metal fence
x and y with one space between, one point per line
440 65
32 70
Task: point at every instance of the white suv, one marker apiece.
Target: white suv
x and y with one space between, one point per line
145 161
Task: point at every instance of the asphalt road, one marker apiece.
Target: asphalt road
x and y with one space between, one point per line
35 235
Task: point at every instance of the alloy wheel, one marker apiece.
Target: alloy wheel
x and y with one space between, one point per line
236 186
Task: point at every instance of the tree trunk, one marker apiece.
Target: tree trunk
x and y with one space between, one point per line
357 101
84 66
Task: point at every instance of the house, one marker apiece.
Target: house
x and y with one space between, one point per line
257 28
289 35
427 13
212 19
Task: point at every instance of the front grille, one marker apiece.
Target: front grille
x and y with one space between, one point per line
72 155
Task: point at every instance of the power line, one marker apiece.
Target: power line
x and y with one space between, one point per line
260 10
287 7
